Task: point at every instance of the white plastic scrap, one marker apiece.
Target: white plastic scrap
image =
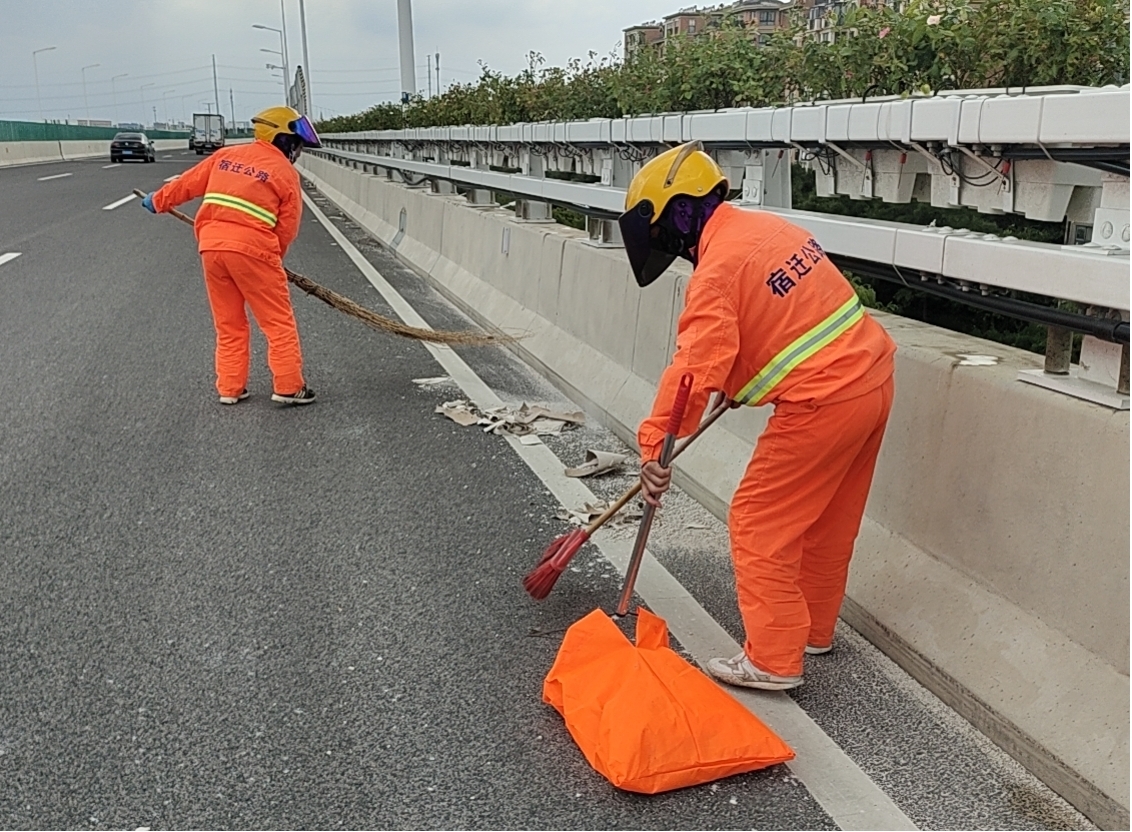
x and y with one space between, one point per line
525 420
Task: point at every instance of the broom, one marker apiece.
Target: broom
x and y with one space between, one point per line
372 319
540 581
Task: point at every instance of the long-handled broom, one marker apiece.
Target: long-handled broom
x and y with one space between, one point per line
372 319
540 581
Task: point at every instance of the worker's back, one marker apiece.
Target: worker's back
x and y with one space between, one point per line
252 200
802 333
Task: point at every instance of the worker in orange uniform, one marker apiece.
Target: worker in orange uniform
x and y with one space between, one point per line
768 320
250 215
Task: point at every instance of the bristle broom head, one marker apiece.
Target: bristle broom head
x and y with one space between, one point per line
540 581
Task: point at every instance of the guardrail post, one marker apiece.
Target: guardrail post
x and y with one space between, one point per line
1059 348
479 197
617 173
529 210
1122 379
442 187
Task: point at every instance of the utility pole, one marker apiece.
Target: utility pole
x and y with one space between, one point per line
405 41
215 88
232 102
438 73
306 57
428 68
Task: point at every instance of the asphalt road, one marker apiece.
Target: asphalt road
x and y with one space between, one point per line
269 617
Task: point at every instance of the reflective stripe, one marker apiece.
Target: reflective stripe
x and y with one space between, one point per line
803 347
229 201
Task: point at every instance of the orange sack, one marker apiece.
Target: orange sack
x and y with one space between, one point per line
645 718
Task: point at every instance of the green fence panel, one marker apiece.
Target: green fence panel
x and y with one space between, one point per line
33 131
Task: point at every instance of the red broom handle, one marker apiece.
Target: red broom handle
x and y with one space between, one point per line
665 460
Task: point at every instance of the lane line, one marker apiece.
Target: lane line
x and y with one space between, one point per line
9 257
174 176
56 176
837 783
166 157
119 203
115 165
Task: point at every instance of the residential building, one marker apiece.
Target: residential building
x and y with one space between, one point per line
760 17
637 38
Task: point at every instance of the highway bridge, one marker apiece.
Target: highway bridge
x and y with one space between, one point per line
271 617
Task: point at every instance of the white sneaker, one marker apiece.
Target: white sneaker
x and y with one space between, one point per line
817 651
239 397
739 671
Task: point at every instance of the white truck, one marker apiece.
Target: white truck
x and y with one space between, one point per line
208 133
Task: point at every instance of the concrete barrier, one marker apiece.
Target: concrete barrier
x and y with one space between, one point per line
993 560
29 153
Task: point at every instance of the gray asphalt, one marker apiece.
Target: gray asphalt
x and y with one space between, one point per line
264 617
261 617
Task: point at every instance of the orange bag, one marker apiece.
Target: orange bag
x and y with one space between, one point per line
645 718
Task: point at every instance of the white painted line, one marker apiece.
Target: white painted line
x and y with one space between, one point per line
174 176
119 203
9 257
56 176
166 157
115 165
837 783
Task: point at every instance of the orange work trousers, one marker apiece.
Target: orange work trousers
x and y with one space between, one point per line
794 519
233 280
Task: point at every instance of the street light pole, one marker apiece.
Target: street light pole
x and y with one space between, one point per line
306 58
114 92
286 54
35 68
165 102
282 53
276 66
141 89
86 103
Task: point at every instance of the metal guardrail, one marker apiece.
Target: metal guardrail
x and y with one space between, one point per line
1055 154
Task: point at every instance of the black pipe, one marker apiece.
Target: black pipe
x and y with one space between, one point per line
1105 329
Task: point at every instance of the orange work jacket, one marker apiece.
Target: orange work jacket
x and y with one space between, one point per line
767 319
252 201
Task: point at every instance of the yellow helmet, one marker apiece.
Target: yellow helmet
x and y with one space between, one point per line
284 121
682 171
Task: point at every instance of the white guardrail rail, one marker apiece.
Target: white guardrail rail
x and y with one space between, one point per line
1057 154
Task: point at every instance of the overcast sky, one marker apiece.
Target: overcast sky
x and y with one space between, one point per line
167 45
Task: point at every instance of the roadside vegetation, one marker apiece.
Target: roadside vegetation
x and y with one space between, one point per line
930 45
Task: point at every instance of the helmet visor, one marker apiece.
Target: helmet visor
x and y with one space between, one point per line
302 128
647 262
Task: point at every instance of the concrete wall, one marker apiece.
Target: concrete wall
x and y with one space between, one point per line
993 561
27 153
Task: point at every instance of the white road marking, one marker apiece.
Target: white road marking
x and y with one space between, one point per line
115 165
119 203
837 783
166 157
9 257
174 176
56 176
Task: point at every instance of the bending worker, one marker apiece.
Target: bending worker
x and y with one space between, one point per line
768 320
250 215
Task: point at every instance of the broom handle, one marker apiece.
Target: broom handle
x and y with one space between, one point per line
179 215
624 499
674 420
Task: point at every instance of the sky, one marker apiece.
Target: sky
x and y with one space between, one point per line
157 54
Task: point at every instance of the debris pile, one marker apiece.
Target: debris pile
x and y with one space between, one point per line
526 420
